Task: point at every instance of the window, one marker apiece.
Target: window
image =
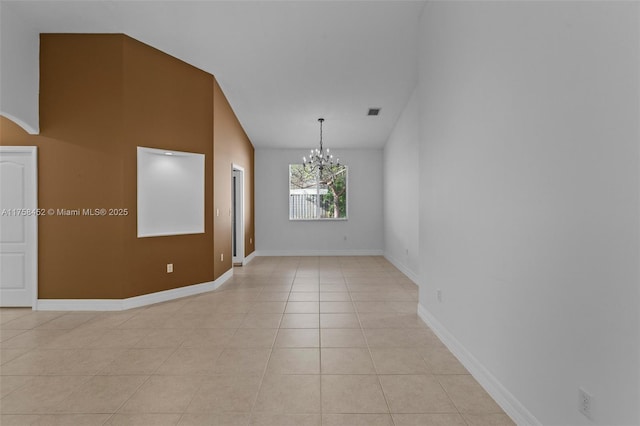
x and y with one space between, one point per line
317 195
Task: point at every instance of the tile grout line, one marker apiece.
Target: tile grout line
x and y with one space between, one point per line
266 366
251 287
320 349
141 384
384 395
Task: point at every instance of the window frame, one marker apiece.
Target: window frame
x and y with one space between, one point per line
317 188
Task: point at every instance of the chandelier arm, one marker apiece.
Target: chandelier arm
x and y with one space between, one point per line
319 159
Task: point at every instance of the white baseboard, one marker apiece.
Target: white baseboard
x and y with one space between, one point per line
511 406
131 302
318 252
249 258
403 268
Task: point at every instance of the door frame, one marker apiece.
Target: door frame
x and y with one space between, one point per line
237 231
31 202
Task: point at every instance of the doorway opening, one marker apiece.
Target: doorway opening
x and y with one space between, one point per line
237 218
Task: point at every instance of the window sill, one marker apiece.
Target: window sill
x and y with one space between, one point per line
339 219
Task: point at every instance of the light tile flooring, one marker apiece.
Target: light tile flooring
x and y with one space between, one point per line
288 341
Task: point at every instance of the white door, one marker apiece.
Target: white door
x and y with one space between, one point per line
18 226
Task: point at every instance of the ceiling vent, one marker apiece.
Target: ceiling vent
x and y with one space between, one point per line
373 111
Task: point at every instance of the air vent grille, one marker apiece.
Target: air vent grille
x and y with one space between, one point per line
373 111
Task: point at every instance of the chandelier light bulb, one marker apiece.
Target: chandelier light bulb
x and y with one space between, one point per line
319 158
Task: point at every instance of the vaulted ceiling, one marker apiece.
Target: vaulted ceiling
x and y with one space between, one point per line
282 64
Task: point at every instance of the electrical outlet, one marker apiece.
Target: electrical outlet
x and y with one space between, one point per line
217 212
585 403
439 295
169 268
221 257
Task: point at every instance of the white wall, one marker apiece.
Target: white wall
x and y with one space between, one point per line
529 200
401 175
19 78
277 235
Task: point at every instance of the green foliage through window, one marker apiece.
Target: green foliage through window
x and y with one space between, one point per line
316 194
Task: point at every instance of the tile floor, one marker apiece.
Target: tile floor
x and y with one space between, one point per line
288 341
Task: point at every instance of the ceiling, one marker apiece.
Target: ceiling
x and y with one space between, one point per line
281 64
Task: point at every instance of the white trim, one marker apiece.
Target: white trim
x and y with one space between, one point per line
318 252
249 258
176 293
403 268
238 205
131 302
505 399
36 239
26 127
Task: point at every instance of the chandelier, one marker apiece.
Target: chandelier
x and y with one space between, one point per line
319 158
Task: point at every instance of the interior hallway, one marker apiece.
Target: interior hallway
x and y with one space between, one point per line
287 341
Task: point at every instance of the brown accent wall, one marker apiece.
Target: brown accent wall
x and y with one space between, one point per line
101 96
232 146
167 104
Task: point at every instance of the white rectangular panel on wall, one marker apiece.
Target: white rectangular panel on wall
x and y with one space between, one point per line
170 192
